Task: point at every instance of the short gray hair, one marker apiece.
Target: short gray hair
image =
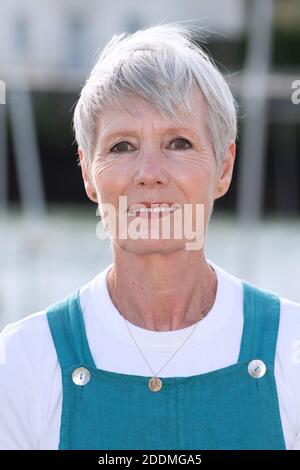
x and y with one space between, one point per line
161 64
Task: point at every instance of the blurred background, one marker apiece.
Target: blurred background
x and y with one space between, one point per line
48 243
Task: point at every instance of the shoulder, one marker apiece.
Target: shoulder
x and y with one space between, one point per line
289 310
288 344
287 368
289 335
30 382
289 324
290 315
29 337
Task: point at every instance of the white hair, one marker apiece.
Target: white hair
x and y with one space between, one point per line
161 64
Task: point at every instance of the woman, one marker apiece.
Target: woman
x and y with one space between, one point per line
163 349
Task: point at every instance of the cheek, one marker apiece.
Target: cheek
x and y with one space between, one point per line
208 178
199 166
102 168
199 182
111 182
108 176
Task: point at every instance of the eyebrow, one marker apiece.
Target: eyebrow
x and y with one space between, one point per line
131 132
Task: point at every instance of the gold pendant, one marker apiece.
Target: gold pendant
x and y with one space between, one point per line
155 384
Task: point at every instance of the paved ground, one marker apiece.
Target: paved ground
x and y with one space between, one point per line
42 261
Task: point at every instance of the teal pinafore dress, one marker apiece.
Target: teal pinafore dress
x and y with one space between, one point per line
231 408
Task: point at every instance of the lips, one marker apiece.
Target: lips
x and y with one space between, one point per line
146 208
150 204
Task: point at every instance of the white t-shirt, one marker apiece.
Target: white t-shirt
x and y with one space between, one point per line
30 376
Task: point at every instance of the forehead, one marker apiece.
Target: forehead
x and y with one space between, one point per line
139 115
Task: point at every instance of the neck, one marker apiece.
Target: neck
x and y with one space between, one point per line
162 292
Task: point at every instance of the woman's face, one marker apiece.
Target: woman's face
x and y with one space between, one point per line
150 158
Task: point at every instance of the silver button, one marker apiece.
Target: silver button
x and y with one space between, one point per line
257 368
81 376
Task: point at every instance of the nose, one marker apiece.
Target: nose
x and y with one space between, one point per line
150 169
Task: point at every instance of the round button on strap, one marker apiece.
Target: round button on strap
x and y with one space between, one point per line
257 368
81 376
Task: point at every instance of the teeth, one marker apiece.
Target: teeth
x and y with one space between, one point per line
149 209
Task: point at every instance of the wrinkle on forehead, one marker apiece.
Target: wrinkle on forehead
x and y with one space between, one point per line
114 117
137 108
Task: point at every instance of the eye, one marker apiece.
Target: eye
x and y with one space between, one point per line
120 147
182 144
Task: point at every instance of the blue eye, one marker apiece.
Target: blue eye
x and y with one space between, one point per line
120 147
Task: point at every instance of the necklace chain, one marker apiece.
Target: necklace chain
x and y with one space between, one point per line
189 335
155 375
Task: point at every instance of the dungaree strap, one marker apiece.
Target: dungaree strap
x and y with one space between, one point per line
66 324
261 321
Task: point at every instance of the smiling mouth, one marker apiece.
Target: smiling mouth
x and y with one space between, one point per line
149 210
152 212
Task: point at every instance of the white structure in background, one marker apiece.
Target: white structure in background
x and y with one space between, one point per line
57 39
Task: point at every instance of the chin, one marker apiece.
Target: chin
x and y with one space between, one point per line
148 247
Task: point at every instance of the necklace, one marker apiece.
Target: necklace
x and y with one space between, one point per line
155 383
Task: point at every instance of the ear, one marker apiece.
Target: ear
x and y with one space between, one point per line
225 174
88 184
